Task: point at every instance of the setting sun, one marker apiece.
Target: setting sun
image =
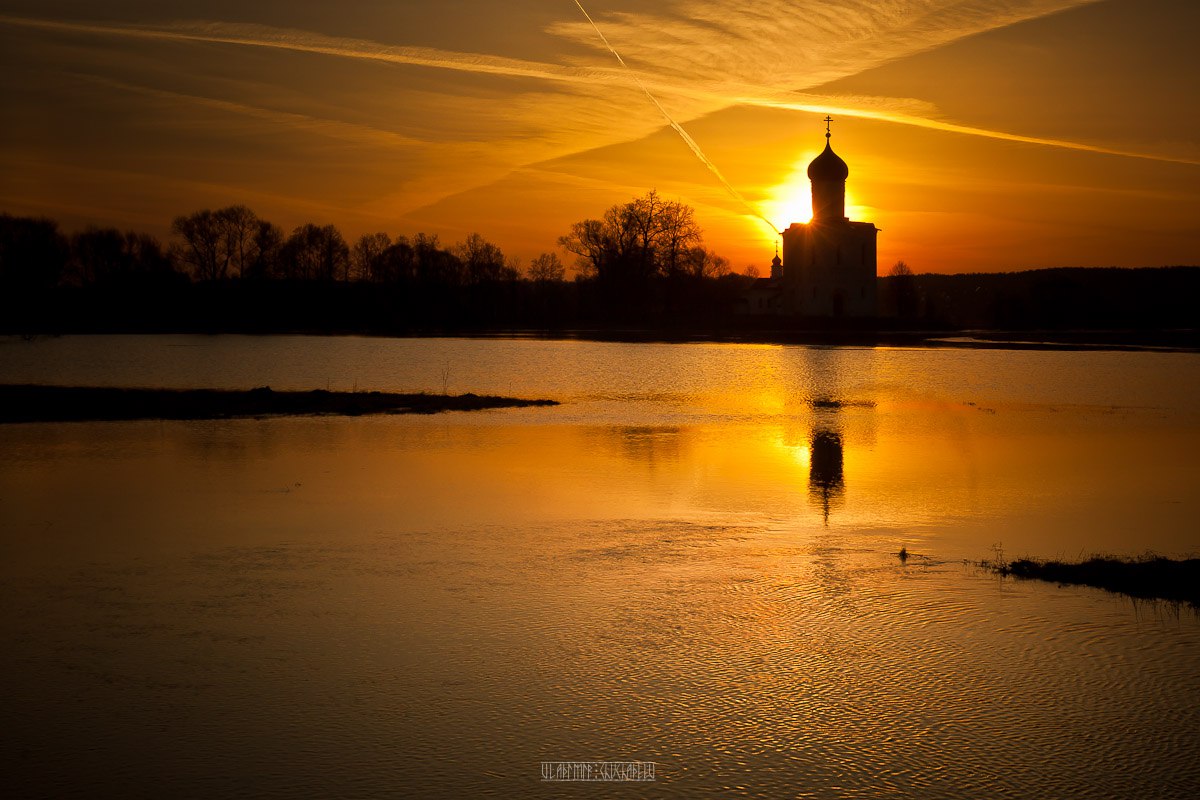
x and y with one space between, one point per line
1079 153
791 200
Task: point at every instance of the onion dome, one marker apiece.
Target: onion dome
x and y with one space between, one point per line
828 166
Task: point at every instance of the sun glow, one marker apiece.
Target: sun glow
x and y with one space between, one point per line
791 200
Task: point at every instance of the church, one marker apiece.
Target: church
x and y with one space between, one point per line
828 266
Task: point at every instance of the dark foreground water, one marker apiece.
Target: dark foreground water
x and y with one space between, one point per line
690 562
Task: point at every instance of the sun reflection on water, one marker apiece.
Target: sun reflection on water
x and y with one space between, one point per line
692 561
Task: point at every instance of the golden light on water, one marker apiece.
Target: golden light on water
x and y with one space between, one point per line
705 533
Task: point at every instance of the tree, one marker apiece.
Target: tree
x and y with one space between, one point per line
700 262
228 243
97 255
590 242
33 254
237 225
266 247
677 238
904 290
203 245
367 253
511 271
434 266
546 268
482 260
315 253
397 264
147 259
634 242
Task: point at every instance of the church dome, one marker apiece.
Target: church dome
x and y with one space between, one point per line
828 166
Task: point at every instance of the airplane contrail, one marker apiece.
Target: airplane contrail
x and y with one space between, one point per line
675 125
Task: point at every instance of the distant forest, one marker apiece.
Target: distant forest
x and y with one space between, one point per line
642 265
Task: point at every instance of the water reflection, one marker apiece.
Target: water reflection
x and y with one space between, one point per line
648 444
826 485
402 594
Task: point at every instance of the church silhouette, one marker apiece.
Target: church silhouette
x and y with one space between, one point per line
829 264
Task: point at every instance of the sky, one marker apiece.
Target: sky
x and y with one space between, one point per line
980 136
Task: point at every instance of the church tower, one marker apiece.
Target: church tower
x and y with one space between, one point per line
829 264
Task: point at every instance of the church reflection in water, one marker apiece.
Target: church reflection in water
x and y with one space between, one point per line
825 481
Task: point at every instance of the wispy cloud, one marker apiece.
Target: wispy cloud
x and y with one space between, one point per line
795 44
765 53
335 129
250 35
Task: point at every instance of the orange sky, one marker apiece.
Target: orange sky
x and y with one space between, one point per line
980 136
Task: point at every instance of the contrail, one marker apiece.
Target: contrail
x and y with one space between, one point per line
678 128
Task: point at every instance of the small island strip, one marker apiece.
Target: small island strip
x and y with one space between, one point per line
32 403
1149 578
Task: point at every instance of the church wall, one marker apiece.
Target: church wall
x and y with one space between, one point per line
829 269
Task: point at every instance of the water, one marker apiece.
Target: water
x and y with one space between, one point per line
691 561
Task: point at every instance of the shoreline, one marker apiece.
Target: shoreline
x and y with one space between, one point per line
40 403
1166 341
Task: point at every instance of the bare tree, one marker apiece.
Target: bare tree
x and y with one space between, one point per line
315 253
904 290
511 271
434 265
546 267
590 242
700 262
367 253
638 240
267 245
482 260
237 225
396 264
202 249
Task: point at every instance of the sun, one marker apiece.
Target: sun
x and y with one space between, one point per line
791 200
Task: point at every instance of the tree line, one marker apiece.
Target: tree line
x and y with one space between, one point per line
640 259
234 243
640 264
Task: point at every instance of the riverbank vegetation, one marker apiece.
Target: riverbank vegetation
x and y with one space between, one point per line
1150 577
26 403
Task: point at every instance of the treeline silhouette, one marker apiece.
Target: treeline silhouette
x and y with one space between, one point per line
1059 299
230 270
641 265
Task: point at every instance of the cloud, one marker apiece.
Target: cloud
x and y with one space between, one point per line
250 35
721 54
335 129
696 60
795 44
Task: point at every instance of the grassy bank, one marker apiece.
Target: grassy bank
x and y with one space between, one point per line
26 403
1150 577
